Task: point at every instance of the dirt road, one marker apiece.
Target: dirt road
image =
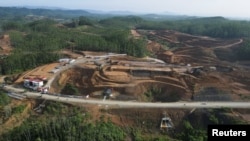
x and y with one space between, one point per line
229 45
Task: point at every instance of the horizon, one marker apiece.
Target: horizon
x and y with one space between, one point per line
223 8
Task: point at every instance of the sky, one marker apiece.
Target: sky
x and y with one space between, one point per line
226 8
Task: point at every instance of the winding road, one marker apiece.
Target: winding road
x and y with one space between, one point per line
119 104
128 104
229 45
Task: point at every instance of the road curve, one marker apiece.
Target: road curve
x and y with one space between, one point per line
229 45
129 104
121 104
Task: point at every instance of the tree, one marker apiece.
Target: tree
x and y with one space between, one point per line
11 26
70 89
191 134
243 52
4 99
84 21
7 111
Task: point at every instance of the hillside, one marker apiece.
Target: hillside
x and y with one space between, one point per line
126 58
129 79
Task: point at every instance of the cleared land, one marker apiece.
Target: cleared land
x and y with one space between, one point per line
199 69
193 71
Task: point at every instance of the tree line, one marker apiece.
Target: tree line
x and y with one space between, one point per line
66 128
218 27
40 42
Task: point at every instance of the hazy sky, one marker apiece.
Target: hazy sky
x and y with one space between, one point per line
228 8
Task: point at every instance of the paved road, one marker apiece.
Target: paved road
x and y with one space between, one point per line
130 104
123 104
78 61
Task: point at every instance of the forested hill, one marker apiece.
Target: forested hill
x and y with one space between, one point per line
15 12
32 38
12 12
218 27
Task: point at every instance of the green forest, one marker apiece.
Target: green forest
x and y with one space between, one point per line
74 128
45 37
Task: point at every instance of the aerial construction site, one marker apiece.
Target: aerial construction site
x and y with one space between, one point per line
199 71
